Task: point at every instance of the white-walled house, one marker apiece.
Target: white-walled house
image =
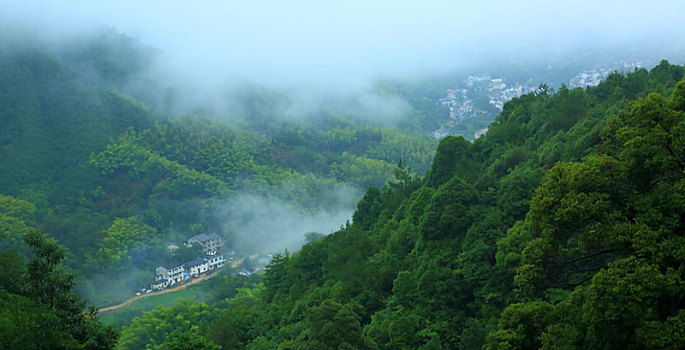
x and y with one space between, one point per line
216 261
211 244
159 284
172 273
197 266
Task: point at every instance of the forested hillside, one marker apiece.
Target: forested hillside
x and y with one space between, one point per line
560 229
91 157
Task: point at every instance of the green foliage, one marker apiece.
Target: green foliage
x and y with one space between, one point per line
39 308
449 212
556 230
368 208
606 230
188 340
364 171
186 253
559 229
451 158
332 325
123 235
16 218
165 326
520 326
170 179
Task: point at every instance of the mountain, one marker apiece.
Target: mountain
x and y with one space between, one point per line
559 229
84 145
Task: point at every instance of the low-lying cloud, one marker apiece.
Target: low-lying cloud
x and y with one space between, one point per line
342 44
259 224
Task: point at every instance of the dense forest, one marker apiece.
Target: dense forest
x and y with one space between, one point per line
561 228
105 170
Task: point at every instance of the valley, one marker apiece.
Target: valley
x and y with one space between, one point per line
286 175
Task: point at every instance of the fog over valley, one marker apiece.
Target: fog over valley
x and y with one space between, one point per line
310 48
342 175
259 64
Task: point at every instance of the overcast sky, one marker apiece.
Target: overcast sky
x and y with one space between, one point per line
288 41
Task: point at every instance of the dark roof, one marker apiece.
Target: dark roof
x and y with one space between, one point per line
204 238
195 262
172 265
201 237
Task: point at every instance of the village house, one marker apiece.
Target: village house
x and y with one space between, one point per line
159 285
197 266
216 262
172 273
171 246
211 244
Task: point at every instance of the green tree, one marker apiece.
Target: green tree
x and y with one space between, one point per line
45 312
16 218
154 328
188 340
368 209
123 235
186 253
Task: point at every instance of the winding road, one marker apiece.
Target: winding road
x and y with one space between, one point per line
163 291
234 264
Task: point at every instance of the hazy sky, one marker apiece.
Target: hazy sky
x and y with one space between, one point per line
348 41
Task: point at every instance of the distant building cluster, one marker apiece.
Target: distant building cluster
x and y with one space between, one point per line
500 94
178 272
589 78
594 77
460 101
473 79
461 105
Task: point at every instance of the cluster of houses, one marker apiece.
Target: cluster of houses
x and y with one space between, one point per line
500 96
461 106
178 272
498 91
589 78
458 103
594 77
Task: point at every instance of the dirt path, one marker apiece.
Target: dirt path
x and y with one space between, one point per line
237 263
163 291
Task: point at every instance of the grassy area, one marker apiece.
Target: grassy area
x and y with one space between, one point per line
125 314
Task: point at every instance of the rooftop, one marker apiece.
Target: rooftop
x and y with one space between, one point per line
172 265
204 238
195 262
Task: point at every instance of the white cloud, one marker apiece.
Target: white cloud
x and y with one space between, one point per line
346 42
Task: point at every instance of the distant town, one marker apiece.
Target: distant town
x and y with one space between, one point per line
461 105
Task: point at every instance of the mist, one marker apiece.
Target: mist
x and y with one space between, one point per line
318 51
324 57
261 224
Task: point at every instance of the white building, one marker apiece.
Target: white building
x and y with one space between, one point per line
159 285
197 266
215 261
211 244
171 274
